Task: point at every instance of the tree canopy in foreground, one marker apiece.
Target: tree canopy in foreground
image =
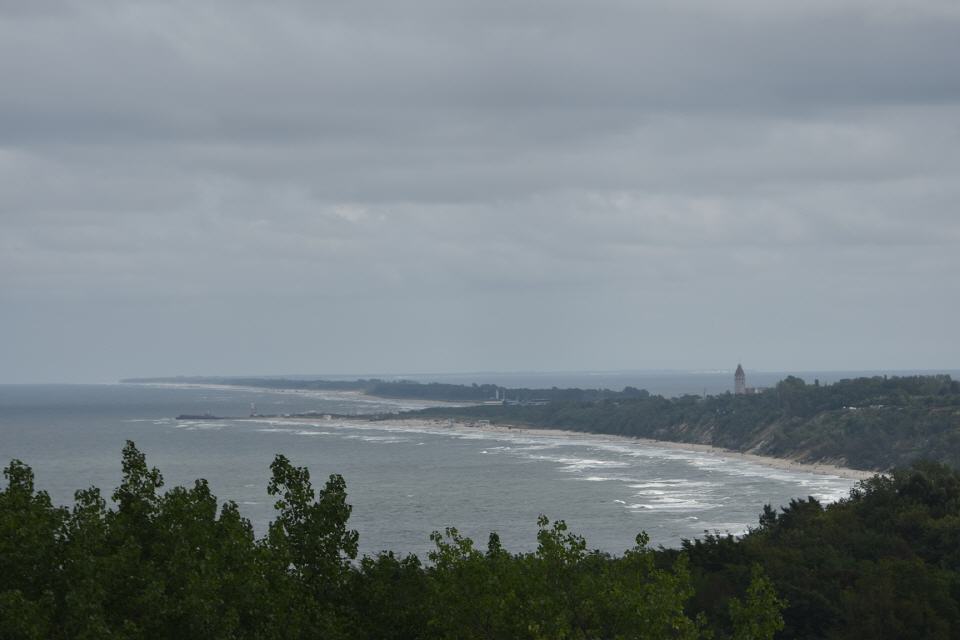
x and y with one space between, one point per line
881 564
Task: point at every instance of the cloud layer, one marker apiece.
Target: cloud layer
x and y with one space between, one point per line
217 187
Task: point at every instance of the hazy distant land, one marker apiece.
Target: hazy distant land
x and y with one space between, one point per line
867 423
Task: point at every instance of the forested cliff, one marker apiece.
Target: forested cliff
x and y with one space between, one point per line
867 423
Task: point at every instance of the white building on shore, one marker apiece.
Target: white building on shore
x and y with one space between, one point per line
740 383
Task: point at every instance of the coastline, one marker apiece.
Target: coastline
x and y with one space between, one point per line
783 464
323 394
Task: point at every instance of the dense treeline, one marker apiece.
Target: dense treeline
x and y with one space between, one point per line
408 389
883 563
174 566
485 392
866 423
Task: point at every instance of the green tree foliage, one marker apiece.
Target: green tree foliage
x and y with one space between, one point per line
309 549
29 548
882 563
758 616
868 423
561 590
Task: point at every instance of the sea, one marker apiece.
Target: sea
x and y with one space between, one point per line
404 480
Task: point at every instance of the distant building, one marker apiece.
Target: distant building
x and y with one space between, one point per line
740 384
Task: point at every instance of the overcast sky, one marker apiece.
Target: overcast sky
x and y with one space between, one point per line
430 186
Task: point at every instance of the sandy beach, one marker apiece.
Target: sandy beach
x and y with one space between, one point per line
768 461
321 394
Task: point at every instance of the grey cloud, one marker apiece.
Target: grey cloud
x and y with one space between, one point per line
690 180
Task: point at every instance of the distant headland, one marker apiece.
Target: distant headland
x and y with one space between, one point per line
868 423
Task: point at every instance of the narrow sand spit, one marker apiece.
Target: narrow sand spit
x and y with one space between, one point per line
769 461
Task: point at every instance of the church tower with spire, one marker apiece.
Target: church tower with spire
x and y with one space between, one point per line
739 381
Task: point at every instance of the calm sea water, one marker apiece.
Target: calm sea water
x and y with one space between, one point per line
403 481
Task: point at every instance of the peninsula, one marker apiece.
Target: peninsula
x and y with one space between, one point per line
872 424
868 423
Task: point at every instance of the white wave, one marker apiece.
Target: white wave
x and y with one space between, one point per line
380 439
832 496
627 449
580 464
536 447
673 504
678 483
199 426
280 422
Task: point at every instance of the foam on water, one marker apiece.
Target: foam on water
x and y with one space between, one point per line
406 479
195 426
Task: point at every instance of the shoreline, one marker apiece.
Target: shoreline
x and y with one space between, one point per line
355 395
783 464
